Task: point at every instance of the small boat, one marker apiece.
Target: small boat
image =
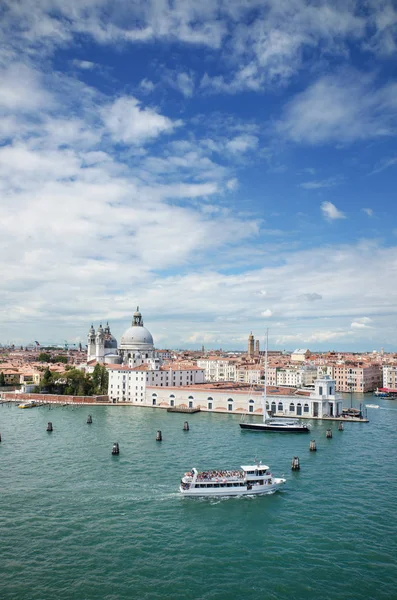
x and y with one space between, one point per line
29 404
372 405
250 479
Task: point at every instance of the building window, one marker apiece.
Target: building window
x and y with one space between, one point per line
190 404
320 390
251 408
172 403
209 405
306 408
230 407
153 401
292 407
280 407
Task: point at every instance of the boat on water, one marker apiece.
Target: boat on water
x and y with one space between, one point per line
250 479
372 405
274 424
271 424
29 404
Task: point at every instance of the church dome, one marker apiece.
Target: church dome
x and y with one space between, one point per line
110 341
136 337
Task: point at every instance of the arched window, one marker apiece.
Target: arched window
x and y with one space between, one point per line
230 399
252 401
292 407
306 408
154 394
172 396
280 407
209 399
273 407
267 405
190 398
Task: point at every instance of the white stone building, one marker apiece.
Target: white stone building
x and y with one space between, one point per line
142 366
321 402
296 377
300 355
218 369
389 376
102 345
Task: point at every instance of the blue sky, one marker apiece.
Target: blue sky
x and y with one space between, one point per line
228 166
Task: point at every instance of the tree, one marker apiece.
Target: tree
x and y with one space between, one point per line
2 379
60 359
44 357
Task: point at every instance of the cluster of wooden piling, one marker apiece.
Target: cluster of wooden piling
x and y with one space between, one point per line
295 464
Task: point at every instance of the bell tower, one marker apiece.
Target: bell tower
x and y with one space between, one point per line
100 344
251 345
91 343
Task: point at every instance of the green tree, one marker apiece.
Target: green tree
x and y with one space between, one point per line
96 378
2 379
44 357
60 359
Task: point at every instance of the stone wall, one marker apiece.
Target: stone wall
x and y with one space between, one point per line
54 398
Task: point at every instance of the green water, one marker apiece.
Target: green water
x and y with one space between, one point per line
76 522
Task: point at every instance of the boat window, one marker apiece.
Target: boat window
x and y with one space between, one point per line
261 482
216 484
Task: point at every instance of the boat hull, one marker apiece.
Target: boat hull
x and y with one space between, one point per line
217 492
275 428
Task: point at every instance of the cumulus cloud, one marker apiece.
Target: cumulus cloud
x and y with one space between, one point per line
267 313
129 122
330 212
340 108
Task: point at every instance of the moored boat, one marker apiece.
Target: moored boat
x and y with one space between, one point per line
248 480
29 404
271 424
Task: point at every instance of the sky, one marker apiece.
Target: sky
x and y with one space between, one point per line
227 165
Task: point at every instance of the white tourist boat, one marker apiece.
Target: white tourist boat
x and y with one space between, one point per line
250 479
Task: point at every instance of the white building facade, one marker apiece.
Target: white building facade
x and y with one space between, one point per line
320 403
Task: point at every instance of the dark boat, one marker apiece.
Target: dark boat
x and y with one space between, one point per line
271 424
275 425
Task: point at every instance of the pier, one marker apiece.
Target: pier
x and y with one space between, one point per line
183 409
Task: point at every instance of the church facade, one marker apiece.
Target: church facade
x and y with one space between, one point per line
135 363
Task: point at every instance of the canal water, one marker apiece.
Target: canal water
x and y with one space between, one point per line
77 523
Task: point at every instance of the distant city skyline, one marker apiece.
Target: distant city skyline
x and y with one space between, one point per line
228 166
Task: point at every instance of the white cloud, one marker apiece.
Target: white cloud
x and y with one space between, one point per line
86 65
242 143
267 313
323 183
330 212
368 211
21 89
340 108
128 122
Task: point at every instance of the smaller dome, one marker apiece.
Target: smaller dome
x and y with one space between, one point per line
110 341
